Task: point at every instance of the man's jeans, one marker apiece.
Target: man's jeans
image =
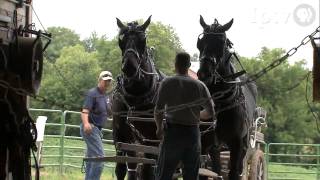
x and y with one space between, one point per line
94 149
181 143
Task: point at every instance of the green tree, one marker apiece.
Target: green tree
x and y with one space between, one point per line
166 43
282 94
108 54
91 42
61 37
66 80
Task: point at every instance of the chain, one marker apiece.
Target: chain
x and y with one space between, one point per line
280 60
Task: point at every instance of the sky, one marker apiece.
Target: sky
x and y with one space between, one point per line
257 23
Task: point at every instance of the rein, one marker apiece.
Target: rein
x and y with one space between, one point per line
148 96
139 69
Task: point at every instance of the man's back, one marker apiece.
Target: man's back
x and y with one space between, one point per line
183 97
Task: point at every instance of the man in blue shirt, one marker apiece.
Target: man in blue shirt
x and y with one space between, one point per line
94 114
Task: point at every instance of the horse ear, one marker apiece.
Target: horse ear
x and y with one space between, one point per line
120 24
227 26
203 24
146 24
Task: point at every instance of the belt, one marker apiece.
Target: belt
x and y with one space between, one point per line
92 122
99 127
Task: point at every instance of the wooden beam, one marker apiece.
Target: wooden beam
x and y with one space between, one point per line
207 173
140 119
202 172
120 159
138 148
206 123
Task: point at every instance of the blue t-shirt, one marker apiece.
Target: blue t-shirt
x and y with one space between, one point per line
96 102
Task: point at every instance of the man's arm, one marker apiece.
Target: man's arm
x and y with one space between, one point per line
87 106
159 110
205 114
159 116
85 121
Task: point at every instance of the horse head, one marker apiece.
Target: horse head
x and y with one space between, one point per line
212 44
132 42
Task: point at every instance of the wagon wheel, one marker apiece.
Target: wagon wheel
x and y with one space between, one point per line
28 62
257 166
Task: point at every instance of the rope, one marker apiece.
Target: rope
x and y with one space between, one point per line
35 13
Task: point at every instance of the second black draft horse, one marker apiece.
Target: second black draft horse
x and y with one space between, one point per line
235 103
135 95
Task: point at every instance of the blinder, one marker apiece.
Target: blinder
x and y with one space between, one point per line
214 39
127 34
209 44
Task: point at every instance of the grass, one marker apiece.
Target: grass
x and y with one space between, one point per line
74 151
52 173
282 172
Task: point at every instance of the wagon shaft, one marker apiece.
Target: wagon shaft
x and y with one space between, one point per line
120 159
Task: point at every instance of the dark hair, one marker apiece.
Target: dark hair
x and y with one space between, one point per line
183 61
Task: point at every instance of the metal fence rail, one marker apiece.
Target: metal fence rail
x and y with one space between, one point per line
293 155
60 150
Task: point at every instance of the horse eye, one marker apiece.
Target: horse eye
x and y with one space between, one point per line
142 36
121 36
200 36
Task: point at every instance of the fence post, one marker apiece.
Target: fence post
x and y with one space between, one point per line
318 161
267 159
62 133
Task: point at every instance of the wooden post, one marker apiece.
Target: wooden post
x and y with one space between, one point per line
316 70
41 124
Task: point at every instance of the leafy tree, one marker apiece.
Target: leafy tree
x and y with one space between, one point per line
282 94
166 43
66 81
108 54
91 42
61 37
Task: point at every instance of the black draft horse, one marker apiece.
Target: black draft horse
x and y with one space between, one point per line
235 103
135 92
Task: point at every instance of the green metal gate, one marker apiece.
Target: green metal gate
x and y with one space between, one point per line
63 150
293 161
